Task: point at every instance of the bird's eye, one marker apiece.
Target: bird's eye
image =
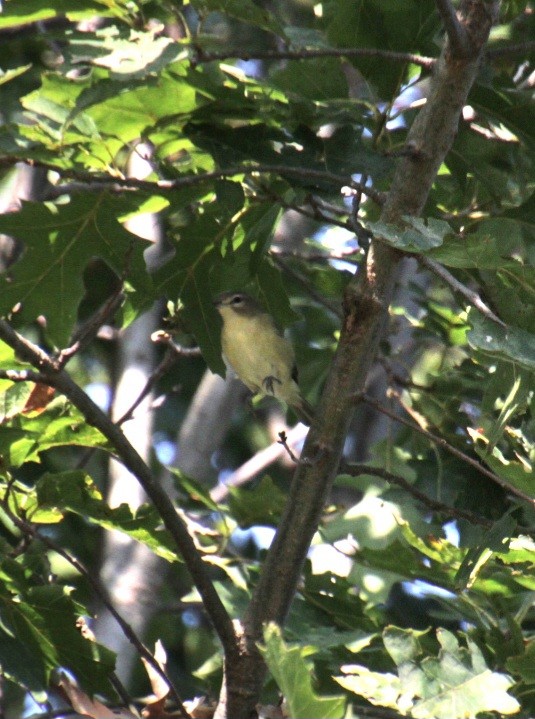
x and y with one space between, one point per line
236 300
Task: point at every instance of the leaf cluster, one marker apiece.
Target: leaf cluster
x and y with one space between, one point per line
235 150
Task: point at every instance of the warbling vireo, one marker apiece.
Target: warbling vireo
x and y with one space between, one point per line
258 353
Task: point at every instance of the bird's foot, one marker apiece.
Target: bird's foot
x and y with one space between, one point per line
268 384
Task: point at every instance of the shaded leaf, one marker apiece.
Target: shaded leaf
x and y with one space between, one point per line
293 677
244 10
511 344
416 235
39 634
59 241
74 491
262 504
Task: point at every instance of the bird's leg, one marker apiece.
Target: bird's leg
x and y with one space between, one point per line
268 384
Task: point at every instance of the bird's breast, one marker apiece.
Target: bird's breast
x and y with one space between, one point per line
256 351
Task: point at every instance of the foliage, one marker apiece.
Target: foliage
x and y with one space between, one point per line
448 500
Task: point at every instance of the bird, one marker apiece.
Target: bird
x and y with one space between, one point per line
255 348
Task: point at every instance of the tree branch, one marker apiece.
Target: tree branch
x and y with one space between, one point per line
510 50
457 286
88 181
262 459
357 470
366 301
308 286
86 333
457 35
164 366
29 530
202 56
55 377
441 442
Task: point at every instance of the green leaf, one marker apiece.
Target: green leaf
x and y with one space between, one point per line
39 634
21 500
273 295
292 674
346 153
195 490
9 75
378 24
13 397
243 10
262 504
339 604
130 55
198 300
187 277
481 250
59 241
457 684
258 224
503 343
90 122
313 79
91 663
74 491
24 656
260 142
519 474
59 425
493 540
524 664
30 11
508 106
511 290
378 688
415 236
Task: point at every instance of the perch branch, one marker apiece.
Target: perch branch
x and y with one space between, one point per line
60 380
459 41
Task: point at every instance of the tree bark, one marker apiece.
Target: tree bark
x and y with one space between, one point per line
366 303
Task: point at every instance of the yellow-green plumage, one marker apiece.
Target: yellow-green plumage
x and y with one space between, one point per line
258 353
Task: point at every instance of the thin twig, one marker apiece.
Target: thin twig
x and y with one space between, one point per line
167 362
324 206
283 441
262 459
307 256
312 214
85 334
436 506
198 570
89 185
22 375
441 442
459 41
457 286
165 338
333 307
105 182
507 50
202 56
99 590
